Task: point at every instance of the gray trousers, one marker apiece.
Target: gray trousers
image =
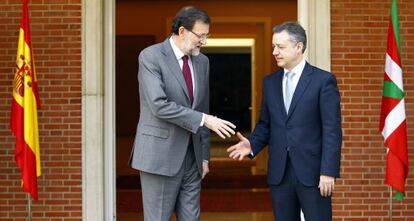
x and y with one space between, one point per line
162 195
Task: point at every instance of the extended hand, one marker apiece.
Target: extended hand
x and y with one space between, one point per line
241 149
326 185
219 126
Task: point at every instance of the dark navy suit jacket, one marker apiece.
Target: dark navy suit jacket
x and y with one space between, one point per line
310 133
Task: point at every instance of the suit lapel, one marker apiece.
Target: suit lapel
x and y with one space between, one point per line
174 66
278 92
303 83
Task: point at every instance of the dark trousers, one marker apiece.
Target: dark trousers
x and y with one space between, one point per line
290 196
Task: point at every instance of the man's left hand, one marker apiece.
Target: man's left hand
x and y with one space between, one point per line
326 185
205 169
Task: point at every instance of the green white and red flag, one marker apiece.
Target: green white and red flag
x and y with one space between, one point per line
393 125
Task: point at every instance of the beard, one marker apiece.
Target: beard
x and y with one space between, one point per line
189 48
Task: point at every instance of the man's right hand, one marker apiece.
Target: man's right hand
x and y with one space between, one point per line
241 149
219 126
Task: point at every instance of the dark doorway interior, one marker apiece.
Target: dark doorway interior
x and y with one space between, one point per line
128 48
230 88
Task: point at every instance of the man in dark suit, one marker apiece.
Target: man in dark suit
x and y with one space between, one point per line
171 148
300 121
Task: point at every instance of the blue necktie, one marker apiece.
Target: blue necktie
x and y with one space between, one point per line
289 89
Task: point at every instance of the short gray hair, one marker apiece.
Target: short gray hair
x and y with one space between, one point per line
295 31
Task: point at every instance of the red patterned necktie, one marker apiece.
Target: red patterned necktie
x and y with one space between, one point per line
187 77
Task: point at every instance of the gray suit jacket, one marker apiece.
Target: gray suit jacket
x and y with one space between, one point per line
167 121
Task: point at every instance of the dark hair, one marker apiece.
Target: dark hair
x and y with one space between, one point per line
187 17
295 31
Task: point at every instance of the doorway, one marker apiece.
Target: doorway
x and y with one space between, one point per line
241 37
98 198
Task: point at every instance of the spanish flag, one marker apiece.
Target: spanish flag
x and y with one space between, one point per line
25 102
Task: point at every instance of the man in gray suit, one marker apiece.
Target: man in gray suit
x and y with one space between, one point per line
171 148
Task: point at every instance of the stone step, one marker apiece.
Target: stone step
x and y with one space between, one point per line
232 200
211 181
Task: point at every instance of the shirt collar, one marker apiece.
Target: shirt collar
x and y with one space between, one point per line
298 69
177 52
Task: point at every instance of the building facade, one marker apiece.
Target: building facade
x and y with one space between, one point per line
74 49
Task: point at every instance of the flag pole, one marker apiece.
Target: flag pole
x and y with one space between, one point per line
390 204
29 206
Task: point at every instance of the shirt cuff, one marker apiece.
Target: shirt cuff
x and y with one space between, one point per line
202 120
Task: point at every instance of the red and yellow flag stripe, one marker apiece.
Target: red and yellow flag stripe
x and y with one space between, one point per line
25 102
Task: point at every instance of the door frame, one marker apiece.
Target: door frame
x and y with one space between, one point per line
98 95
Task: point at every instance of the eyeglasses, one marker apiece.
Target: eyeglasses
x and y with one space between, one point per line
202 36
